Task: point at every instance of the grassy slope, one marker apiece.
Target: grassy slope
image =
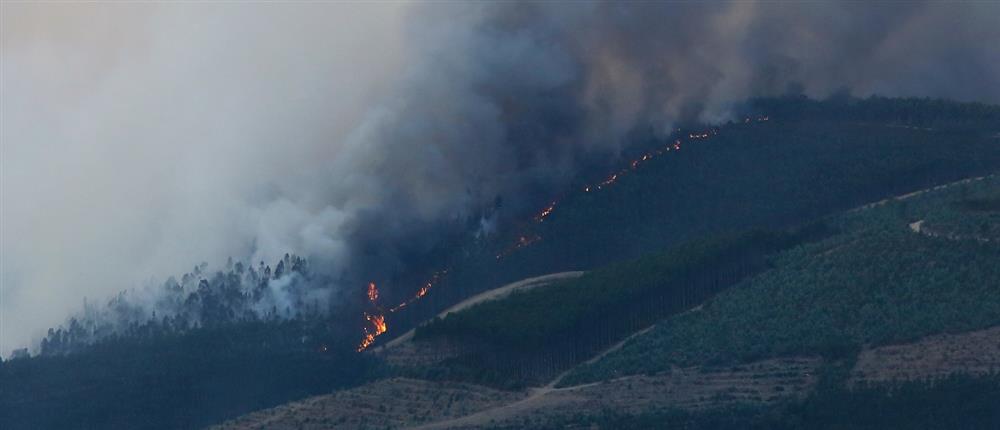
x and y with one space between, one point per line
877 282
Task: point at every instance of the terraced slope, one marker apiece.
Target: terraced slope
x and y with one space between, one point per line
875 307
878 282
390 403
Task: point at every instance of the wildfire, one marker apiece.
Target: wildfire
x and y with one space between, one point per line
522 241
610 180
634 164
376 320
376 324
545 212
423 290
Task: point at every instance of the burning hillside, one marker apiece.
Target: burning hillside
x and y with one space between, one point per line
376 322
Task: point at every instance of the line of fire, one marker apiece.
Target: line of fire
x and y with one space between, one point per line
376 324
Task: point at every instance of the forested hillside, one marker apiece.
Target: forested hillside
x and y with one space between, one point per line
877 282
807 160
180 380
862 321
200 298
229 345
533 335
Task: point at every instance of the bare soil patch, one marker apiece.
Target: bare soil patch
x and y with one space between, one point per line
688 388
391 403
973 353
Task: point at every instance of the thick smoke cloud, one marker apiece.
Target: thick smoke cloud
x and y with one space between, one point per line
141 139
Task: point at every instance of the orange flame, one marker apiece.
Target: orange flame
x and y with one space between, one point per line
522 241
378 325
423 290
545 212
377 321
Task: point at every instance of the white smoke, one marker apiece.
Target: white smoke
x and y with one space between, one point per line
139 140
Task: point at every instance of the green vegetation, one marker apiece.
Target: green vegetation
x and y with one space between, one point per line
223 352
537 317
877 282
909 112
974 216
186 353
956 402
545 330
811 159
177 381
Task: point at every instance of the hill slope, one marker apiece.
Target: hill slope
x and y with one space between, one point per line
808 160
876 283
834 326
821 157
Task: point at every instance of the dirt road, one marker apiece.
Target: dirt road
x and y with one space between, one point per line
496 293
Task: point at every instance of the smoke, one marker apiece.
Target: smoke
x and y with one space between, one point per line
139 139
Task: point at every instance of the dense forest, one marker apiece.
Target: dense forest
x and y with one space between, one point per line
875 283
530 336
239 294
180 380
973 216
821 156
218 343
188 352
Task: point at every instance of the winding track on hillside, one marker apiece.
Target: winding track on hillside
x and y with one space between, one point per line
547 396
537 397
496 293
919 192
